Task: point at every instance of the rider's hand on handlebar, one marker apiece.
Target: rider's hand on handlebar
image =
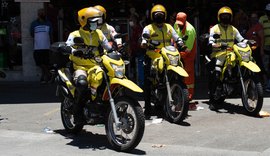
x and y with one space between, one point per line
182 48
251 42
77 52
180 45
223 45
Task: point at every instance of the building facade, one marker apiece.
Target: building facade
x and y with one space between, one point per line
16 44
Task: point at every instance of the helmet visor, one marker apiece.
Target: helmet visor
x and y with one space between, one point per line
159 17
225 18
92 23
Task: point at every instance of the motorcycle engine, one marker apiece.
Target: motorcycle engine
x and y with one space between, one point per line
228 88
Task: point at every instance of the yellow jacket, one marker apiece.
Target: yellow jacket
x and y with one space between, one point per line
95 38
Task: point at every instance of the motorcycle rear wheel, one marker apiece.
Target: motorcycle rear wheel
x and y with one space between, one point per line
253 100
178 110
131 131
67 117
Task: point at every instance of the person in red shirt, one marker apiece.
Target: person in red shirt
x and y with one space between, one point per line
136 52
255 32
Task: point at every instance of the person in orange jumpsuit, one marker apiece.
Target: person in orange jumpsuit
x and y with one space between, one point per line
183 27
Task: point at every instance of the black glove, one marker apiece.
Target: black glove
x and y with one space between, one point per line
181 46
251 42
180 43
78 53
224 45
66 50
111 50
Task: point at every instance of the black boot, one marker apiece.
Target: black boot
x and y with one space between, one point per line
78 114
147 111
212 106
147 96
80 99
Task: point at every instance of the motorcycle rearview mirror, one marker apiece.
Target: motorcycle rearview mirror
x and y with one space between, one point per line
146 36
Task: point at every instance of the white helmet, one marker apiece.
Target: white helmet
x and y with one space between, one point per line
267 7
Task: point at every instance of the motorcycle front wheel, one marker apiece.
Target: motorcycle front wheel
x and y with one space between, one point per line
129 134
177 111
253 99
68 117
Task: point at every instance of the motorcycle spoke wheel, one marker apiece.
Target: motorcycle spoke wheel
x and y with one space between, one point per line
128 135
253 99
68 117
177 110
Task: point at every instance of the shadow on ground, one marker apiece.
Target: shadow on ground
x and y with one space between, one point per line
88 140
230 108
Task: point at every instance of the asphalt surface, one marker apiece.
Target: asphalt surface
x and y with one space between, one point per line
30 124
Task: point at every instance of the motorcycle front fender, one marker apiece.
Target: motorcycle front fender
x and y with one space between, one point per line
67 82
251 66
127 83
179 70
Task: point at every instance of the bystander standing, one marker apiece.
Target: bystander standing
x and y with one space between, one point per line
264 20
184 28
41 31
255 32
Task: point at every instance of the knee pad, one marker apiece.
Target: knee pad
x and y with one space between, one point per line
81 83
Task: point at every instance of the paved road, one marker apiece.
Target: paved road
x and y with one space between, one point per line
26 110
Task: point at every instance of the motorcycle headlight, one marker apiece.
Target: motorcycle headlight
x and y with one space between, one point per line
173 59
245 55
119 71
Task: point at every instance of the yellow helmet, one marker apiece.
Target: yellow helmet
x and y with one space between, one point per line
224 10
90 13
158 8
102 9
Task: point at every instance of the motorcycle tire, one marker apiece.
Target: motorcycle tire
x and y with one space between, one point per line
177 111
131 131
254 102
67 117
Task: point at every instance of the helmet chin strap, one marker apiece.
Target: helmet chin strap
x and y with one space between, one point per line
159 25
224 25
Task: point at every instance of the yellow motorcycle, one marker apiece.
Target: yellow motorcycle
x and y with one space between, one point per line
122 115
168 89
239 77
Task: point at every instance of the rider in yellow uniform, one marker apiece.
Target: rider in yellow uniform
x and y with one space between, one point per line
228 34
107 29
158 31
88 19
